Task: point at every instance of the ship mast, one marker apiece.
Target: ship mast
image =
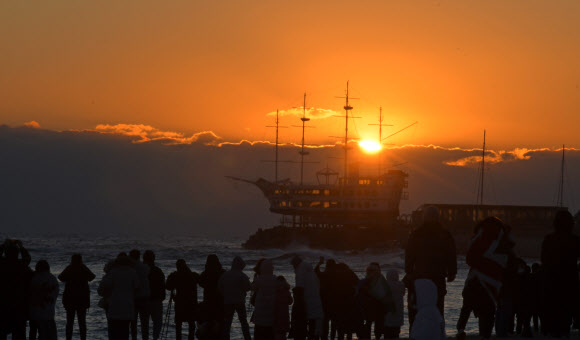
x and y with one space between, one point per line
302 152
347 108
380 124
561 184
482 171
276 161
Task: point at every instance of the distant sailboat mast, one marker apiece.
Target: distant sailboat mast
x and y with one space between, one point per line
302 152
560 203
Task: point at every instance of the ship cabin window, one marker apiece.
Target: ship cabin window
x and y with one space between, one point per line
298 203
276 191
282 203
315 204
326 204
334 204
299 192
381 182
315 192
364 181
326 192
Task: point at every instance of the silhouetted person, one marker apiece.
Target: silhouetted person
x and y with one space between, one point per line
326 279
213 302
348 317
183 285
156 297
307 295
526 303
395 319
430 254
141 297
233 285
119 286
265 287
281 314
376 299
560 252
43 292
14 281
487 257
76 297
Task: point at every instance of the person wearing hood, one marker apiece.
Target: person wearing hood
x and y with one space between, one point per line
119 287
326 279
233 285
429 324
183 286
16 276
76 297
430 254
560 252
213 302
141 297
394 319
43 293
307 290
265 286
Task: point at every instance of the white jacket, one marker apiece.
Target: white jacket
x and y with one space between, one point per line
429 324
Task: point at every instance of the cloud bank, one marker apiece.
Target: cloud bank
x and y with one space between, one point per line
134 178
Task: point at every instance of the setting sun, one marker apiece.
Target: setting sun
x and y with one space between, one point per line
370 146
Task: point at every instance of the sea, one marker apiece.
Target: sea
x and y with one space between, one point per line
98 250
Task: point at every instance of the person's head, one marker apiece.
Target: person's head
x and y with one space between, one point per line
431 215
212 264
295 262
330 265
280 278
257 266
564 222
135 254
76 259
149 257
181 266
42 266
392 275
373 270
267 267
11 249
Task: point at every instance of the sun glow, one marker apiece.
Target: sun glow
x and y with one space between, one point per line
370 146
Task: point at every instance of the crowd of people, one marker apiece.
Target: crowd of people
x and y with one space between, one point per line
328 301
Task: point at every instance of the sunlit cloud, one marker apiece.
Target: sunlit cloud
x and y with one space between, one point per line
494 157
147 133
312 112
32 124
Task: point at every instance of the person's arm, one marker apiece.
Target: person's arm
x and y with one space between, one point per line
24 254
64 276
105 286
246 285
90 276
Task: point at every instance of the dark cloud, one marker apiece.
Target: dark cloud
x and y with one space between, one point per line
118 181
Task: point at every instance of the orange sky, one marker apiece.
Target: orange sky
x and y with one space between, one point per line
457 67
